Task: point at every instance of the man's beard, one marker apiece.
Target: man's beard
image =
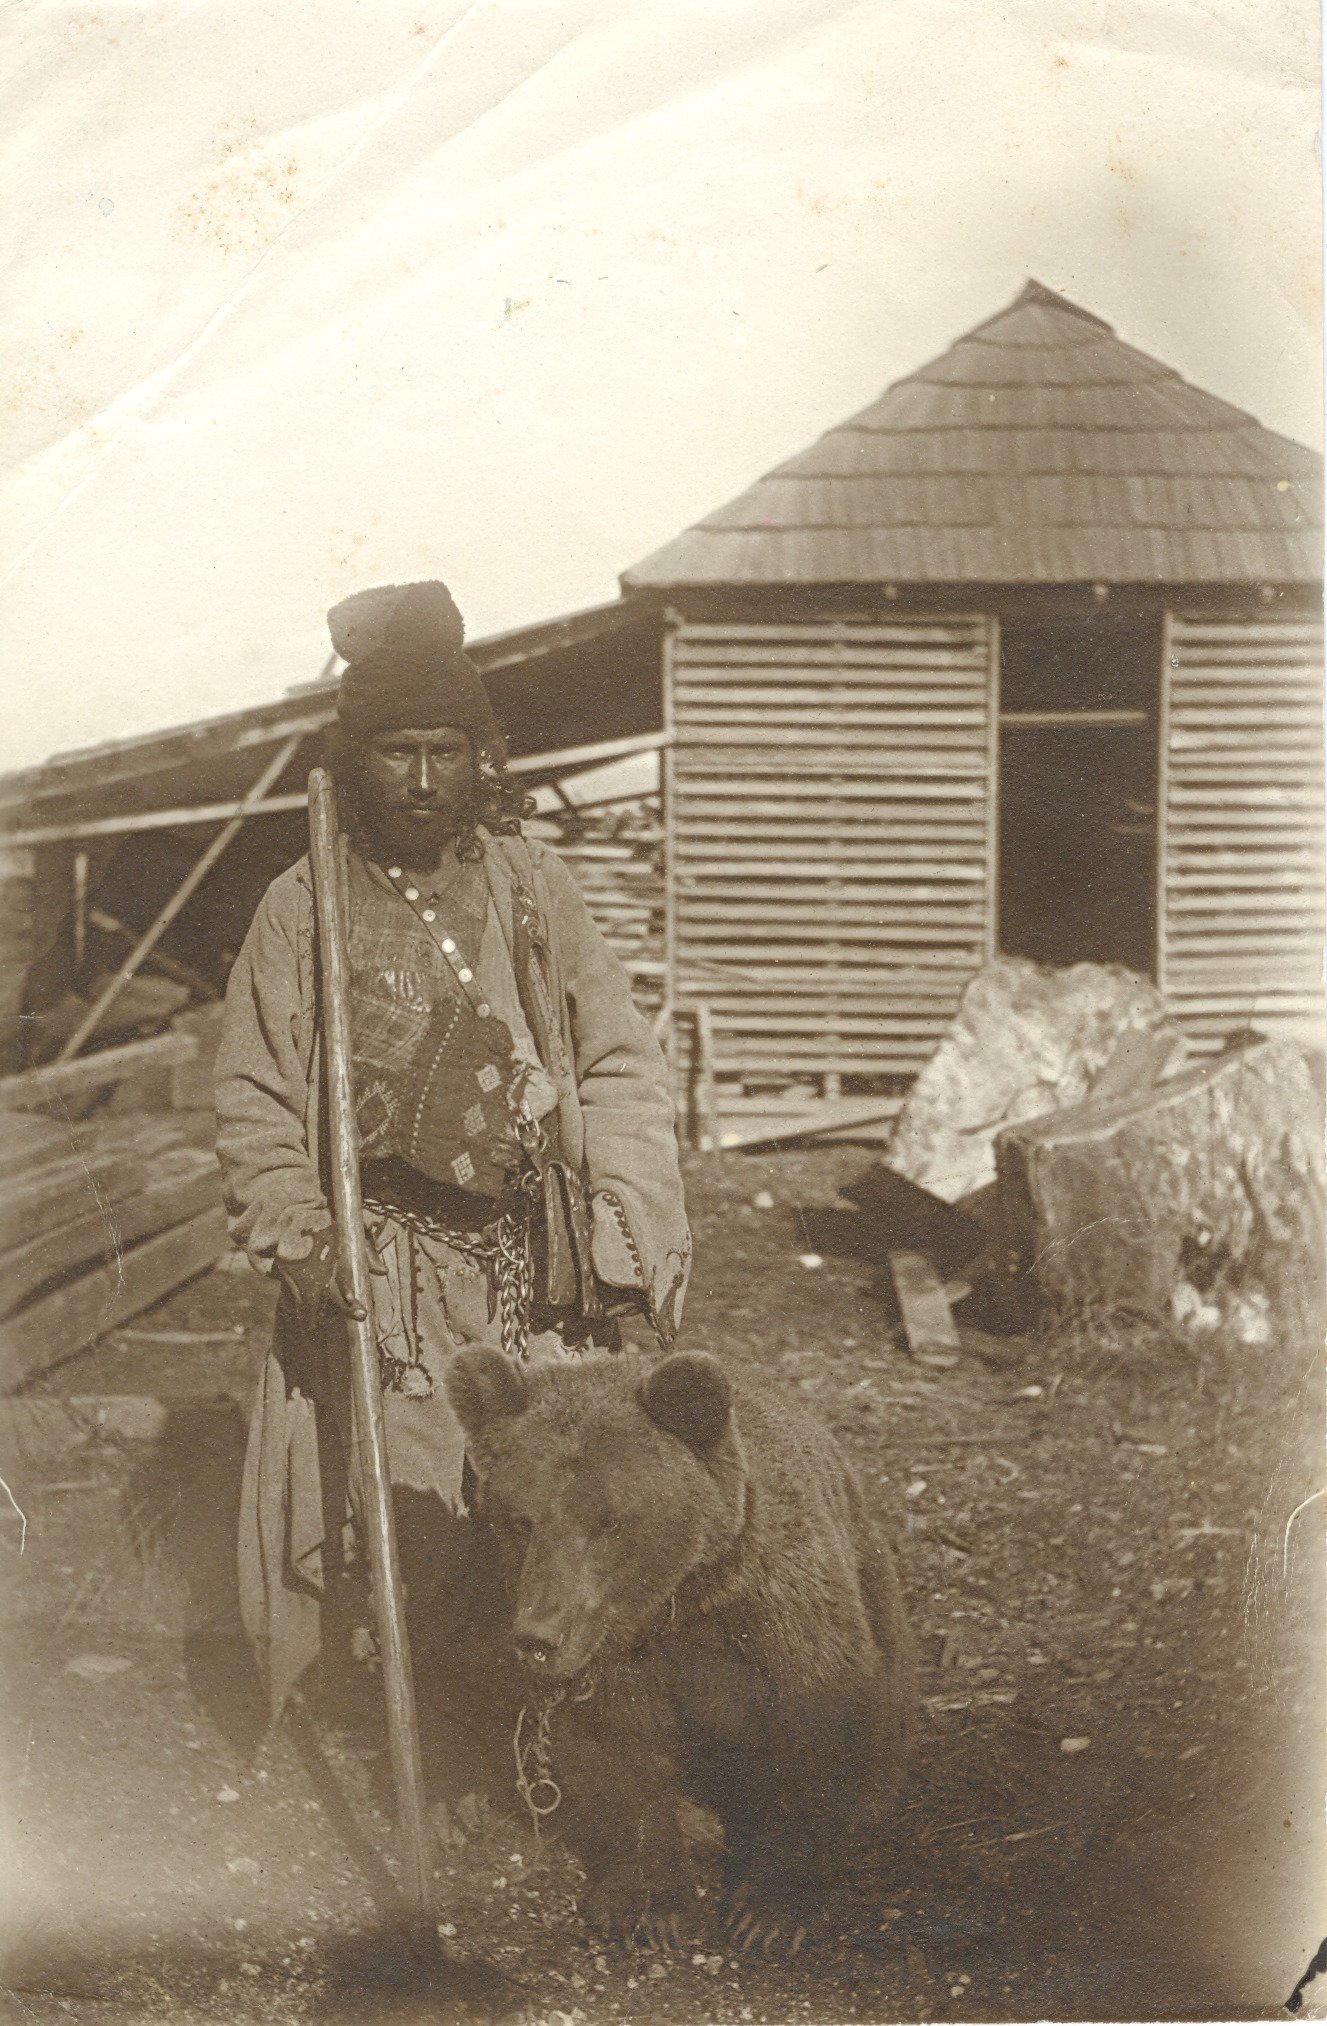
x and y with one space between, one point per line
414 838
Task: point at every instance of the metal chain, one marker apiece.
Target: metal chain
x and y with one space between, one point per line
537 1756
513 1270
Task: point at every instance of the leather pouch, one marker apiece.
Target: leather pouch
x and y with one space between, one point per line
567 1277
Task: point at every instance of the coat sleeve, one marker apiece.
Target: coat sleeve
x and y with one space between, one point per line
273 1191
640 1228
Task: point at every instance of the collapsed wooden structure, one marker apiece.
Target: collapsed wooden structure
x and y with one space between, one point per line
150 856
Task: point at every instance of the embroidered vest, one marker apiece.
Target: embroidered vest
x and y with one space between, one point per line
437 1081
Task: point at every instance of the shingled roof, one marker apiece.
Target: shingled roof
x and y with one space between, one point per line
1039 449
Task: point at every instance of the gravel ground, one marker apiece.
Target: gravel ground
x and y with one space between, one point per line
1115 1806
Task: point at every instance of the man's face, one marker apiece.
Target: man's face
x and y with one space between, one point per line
418 784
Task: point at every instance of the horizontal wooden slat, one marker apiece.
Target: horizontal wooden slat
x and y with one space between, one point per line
929 630
180 1184
795 858
1295 690
1274 905
53 1328
831 1020
765 725
900 793
888 823
860 899
852 699
807 975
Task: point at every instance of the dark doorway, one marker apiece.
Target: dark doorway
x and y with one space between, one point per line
1077 790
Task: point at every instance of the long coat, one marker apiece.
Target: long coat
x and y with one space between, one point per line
615 1124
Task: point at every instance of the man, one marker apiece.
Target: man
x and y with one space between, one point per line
518 1153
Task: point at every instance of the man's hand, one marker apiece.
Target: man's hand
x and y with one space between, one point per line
319 1281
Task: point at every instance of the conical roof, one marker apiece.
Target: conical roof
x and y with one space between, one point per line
1039 449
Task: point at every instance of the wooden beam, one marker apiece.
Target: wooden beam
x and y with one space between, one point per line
159 819
181 1183
148 941
823 1118
572 759
80 908
1075 720
31 1089
702 1080
52 1329
668 811
927 1323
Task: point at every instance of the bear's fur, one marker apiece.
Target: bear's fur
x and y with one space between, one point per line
696 1585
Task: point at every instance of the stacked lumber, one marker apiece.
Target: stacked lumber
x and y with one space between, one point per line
98 1220
616 855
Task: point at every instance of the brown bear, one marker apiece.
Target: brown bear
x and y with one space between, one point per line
697 1588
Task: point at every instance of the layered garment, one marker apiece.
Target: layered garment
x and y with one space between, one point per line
590 1072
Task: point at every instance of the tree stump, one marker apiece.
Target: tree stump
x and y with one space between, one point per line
1213 1178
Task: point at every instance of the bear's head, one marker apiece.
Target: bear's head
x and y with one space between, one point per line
608 1482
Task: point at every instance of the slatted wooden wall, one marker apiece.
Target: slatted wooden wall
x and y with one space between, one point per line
832 838
1241 857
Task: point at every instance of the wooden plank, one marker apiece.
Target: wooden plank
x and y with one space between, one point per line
834 1017
702 1071
928 632
901 985
824 918
835 749
98 1168
31 1140
829 830
1263 902
720 939
748 1053
900 793
867 890
820 696
820 1118
927 1323
184 1182
50 1330
32 1089
798 860
828 724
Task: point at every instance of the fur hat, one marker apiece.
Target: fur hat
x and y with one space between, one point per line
408 665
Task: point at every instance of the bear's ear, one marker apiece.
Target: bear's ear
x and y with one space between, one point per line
484 1386
689 1396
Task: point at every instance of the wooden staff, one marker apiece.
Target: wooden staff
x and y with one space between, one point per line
370 1433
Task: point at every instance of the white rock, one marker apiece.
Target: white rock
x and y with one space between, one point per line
1071 1746
227 1794
1026 1040
810 1260
762 1200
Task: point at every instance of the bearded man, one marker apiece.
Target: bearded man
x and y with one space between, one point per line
518 1153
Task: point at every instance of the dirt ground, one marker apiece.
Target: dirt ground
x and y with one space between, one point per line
1115 1809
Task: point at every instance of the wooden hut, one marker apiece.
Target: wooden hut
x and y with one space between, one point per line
1025 657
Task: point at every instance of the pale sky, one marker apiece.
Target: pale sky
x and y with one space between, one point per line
337 292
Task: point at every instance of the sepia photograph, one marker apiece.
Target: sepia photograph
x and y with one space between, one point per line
662 1034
